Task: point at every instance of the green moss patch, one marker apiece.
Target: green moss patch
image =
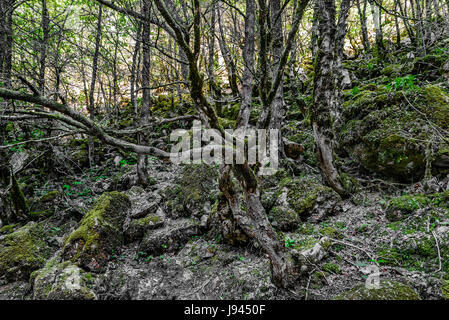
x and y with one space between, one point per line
99 233
23 251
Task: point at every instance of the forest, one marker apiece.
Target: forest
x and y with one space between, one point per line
314 138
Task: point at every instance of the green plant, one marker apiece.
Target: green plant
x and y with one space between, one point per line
403 83
355 91
289 243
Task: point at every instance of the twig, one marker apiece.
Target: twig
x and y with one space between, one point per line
40 140
354 246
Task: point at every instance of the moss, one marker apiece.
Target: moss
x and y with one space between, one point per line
23 251
305 243
284 219
399 207
34 215
226 123
50 196
394 70
331 233
8 228
100 231
389 290
414 252
57 281
302 194
150 219
445 289
385 130
331 268
436 105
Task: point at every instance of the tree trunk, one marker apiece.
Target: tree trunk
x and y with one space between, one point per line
253 220
93 81
364 29
43 46
144 117
324 99
248 71
376 12
277 106
229 62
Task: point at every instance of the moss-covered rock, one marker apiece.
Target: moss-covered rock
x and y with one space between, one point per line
402 206
136 228
430 66
387 130
62 281
399 207
100 232
284 218
196 185
300 198
389 290
23 251
222 224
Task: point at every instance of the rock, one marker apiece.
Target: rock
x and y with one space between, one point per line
23 251
385 133
402 206
45 206
62 281
135 229
170 238
302 198
19 290
100 232
389 290
145 210
196 185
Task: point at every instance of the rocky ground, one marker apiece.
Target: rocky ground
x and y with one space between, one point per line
147 244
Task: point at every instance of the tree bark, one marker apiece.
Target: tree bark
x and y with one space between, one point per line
248 71
93 81
43 46
144 117
227 57
363 27
324 99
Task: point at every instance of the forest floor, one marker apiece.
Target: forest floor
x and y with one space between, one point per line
204 268
96 234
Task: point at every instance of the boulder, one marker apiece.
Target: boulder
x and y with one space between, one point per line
135 229
100 232
299 199
387 131
62 281
192 190
23 251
